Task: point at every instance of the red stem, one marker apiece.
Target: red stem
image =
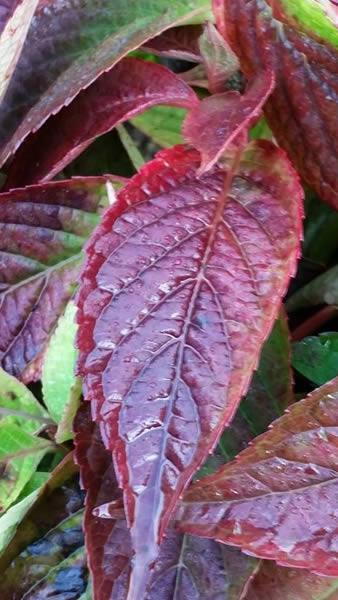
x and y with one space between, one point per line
315 322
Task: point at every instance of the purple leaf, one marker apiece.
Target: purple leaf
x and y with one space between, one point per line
129 88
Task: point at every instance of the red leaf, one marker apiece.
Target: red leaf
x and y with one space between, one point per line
178 42
188 568
69 45
43 229
278 500
302 111
183 282
213 124
278 583
129 88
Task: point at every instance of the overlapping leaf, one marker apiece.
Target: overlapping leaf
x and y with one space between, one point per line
183 281
178 42
277 583
42 229
68 46
213 124
129 88
187 568
302 111
267 501
269 394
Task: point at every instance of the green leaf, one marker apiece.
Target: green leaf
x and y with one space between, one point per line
313 16
69 45
320 231
21 416
61 388
130 147
20 454
162 124
10 521
18 405
321 290
316 357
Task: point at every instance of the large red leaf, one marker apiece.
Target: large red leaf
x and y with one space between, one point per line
188 568
71 43
278 500
213 124
302 111
43 229
129 88
278 583
183 281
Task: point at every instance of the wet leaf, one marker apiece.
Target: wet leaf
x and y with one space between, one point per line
316 357
169 334
217 120
266 502
43 229
131 87
301 47
278 583
68 46
187 567
162 124
61 388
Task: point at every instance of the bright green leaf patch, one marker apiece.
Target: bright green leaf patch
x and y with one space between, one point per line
61 389
313 16
316 357
162 124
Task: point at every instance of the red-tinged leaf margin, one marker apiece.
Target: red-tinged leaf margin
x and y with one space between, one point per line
177 42
81 41
302 110
43 229
213 124
171 179
131 87
185 563
269 501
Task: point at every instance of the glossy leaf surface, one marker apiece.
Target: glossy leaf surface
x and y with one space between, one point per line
43 229
183 282
278 583
316 357
130 87
267 500
187 568
68 46
217 120
302 111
